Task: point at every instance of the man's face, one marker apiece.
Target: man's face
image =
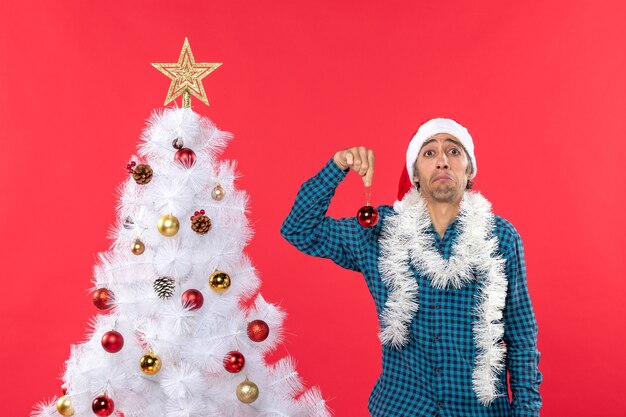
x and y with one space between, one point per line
442 168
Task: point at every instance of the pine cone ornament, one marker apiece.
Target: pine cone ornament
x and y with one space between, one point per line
200 223
164 287
142 174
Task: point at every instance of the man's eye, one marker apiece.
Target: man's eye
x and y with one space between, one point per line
454 151
428 153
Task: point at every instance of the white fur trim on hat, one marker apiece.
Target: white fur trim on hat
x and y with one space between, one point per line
431 128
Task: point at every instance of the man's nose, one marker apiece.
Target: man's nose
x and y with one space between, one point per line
442 161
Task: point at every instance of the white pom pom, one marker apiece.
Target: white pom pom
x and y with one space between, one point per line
172 260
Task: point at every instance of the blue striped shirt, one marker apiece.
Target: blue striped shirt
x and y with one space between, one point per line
432 374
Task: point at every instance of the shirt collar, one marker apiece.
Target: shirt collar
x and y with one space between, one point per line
449 230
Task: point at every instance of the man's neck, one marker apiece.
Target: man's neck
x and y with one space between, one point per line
443 213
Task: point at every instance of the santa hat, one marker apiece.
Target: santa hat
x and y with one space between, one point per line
425 131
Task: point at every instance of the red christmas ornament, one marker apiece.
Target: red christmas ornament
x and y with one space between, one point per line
192 299
185 156
103 406
103 298
112 341
258 330
367 216
234 362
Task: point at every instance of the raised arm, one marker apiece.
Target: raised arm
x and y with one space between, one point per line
309 229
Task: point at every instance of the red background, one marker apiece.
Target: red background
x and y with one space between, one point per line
541 87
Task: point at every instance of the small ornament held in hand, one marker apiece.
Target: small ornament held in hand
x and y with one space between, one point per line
192 299
200 223
142 174
218 193
112 341
186 157
150 363
219 281
234 362
103 298
102 406
247 392
64 406
164 287
258 330
367 216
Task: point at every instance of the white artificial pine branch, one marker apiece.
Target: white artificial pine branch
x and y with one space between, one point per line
284 376
314 403
45 409
181 380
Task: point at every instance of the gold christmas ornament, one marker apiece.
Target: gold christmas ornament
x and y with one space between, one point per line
186 76
218 193
150 363
219 281
168 225
64 406
138 247
247 391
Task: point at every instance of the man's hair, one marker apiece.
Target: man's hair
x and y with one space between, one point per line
470 169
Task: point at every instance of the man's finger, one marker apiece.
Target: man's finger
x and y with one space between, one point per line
349 158
364 161
357 159
369 176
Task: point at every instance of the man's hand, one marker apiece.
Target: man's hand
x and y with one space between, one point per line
360 159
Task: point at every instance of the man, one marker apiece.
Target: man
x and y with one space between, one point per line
448 278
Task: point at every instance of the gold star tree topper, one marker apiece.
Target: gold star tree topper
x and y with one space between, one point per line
186 76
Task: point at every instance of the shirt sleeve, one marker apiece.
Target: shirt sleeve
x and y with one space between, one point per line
520 334
309 229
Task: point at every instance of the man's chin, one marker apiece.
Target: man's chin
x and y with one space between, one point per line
445 194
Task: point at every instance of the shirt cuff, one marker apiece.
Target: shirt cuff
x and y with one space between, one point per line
331 175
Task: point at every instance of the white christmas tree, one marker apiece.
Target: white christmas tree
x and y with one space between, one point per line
177 338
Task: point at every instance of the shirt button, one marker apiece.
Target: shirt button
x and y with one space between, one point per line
439 404
436 338
438 371
436 306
